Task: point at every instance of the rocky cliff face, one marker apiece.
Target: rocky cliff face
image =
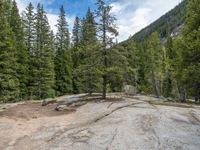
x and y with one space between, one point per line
177 31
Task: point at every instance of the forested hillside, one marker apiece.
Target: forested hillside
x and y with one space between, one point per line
36 63
170 68
165 24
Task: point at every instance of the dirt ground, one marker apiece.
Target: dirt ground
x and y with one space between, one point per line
32 111
134 123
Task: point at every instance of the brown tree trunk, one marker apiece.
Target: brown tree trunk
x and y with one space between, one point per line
104 86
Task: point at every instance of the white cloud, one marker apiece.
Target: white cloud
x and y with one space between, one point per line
133 15
52 18
117 8
23 3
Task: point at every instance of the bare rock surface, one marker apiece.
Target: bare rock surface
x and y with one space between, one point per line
131 124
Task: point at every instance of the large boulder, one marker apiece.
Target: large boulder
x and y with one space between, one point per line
130 90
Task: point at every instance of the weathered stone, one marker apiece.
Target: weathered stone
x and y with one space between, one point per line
64 107
131 124
130 90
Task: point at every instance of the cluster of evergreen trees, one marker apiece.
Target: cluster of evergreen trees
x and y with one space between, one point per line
36 64
172 69
27 53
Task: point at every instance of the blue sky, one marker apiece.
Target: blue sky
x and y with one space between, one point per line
132 15
72 7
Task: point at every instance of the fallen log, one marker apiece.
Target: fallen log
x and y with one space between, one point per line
74 100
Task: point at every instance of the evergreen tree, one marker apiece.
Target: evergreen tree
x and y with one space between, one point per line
168 66
76 41
142 52
89 28
154 71
29 35
8 4
118 69
42 59
63 60
132 57
9 84
177 61
106 31
136 73
88 69
28 22
191 51
22 53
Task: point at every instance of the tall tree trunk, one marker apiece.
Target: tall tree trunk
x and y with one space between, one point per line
182 91
104 86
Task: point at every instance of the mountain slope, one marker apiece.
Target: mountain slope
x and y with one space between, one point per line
165 24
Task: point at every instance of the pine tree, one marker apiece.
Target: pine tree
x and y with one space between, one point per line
22 53
132 57
142 51
29 35
88 69
28 22
167 68
42 59
107 30
63 60
136 69
76 42
89 28
8 4
155 53
9 84
177 61
118 69
191 51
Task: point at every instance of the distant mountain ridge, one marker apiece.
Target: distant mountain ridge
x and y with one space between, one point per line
167 23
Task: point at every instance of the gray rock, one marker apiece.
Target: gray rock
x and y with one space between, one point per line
64 107
130 90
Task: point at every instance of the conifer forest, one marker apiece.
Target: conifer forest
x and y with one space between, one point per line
36 63
99 75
